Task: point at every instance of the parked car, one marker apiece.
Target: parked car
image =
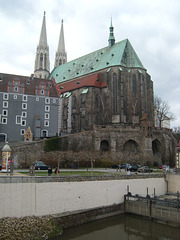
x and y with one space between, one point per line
40 166
0 166
126 166
115 166
145 169
134 167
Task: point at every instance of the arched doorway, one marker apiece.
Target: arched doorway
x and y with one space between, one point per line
157 151
104 146
156 146
130 146
44 133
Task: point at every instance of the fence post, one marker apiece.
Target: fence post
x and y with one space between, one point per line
178 201
124 203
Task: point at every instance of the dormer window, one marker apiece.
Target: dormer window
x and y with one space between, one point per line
15 89
42 89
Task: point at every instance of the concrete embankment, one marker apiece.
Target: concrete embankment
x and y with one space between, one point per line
38 196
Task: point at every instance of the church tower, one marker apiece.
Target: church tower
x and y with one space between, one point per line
61 55
111 39
42 63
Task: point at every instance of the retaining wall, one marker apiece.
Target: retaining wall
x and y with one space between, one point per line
173 182
28 196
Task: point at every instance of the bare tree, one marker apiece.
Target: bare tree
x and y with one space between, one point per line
176 131
163 111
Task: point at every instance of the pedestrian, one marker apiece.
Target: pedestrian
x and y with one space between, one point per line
56 171
49 171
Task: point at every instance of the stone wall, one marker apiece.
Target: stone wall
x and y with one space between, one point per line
117 144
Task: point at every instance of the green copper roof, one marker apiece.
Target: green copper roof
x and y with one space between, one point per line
120 54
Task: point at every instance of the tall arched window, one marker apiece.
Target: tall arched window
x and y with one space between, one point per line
74 101
41 60
114 93
60 61
97 100
134 84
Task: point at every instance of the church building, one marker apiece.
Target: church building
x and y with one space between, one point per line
107 86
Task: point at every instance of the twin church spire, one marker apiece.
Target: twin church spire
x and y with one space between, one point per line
42 62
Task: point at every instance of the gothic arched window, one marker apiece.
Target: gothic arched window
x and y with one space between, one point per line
41 60
97 100
134 83
60 61
74 101
45 61
114 93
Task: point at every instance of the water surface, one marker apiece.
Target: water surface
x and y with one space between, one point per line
122 227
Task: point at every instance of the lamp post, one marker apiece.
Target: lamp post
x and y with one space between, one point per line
6 158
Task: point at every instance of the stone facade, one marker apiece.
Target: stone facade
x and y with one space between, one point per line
121 97
117 144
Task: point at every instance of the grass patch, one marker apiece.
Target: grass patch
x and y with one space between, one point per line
71 173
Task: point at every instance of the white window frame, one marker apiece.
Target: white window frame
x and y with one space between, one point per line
25 98
24 105
46 123
23 124
24 114
47 100
20 118
3 118
37 99
47 108
5 112
5 96
15 96
23 131
5 104
54 100
46 116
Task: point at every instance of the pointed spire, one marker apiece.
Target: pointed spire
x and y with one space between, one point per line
61 55
61 45
111 39
43 36
42 63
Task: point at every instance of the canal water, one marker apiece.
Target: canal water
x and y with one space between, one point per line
122 227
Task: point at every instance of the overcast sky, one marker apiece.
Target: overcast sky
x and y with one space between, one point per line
152 27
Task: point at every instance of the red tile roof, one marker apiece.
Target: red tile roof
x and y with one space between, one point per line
92 80
29 84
